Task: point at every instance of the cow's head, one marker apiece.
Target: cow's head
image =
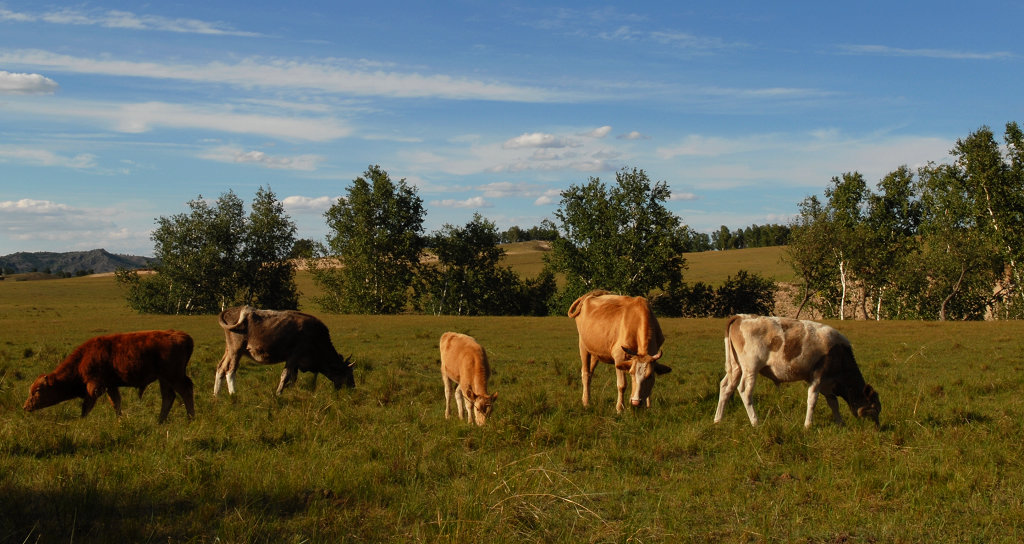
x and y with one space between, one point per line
642 369
45 391
870 405
482 405
343 376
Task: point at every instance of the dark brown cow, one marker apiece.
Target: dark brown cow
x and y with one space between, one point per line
105 363
272 336
619 330
464 366
787 350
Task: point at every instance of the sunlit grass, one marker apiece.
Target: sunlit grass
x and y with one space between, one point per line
381 464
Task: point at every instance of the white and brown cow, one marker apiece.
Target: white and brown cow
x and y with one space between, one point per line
788 350
464 367
622 331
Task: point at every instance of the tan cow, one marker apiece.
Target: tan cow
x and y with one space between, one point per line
787 350
622 331
464 367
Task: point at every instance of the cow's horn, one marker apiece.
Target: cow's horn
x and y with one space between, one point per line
658 356
349 361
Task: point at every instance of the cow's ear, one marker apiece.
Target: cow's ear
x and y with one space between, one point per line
494 396
623 366
471 395
629 352
661 369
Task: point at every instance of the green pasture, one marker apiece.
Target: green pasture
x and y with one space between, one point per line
381 464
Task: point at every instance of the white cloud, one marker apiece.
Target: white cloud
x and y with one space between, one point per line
124 20
472 202
634 135
885 50
308 205
45 157
143 117
599 132
31 221
538 140
12 83
682 196
547 198
231 154
329 76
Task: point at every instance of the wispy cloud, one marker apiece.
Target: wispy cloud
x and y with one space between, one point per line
237 155
328 76
12 83
538 140
472 202
117 19
44 157
308 205
888 51
46 220
135 118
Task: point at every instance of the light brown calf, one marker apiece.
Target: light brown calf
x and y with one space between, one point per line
464 367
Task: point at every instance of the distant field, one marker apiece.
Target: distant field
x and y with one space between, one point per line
710 267
380 463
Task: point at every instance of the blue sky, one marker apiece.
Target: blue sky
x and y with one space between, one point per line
115 113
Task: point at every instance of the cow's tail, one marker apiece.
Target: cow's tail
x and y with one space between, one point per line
731 359
225 321
577 306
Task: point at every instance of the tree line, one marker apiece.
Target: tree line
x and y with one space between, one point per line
944 241
377 259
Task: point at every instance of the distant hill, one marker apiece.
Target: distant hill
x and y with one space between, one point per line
96 261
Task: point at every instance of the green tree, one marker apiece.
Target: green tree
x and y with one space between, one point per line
620 238
214 257
267 271
376 233
809 252
467 278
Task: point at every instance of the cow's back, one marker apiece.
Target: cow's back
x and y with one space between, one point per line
608 322
462 357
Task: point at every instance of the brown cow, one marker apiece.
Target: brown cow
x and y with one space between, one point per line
787 350
272 336
619 330
464 367
105 363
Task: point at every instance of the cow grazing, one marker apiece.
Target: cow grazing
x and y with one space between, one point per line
464 367
271 336
619 330
105 363
787 350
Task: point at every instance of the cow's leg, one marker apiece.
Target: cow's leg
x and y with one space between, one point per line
460 402
184 387
87 404
226 369
115 399
288 377
447 396
812 399
620 385
833 403
746 388
586 371
726 388
166 400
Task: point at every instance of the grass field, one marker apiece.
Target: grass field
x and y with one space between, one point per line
381 464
